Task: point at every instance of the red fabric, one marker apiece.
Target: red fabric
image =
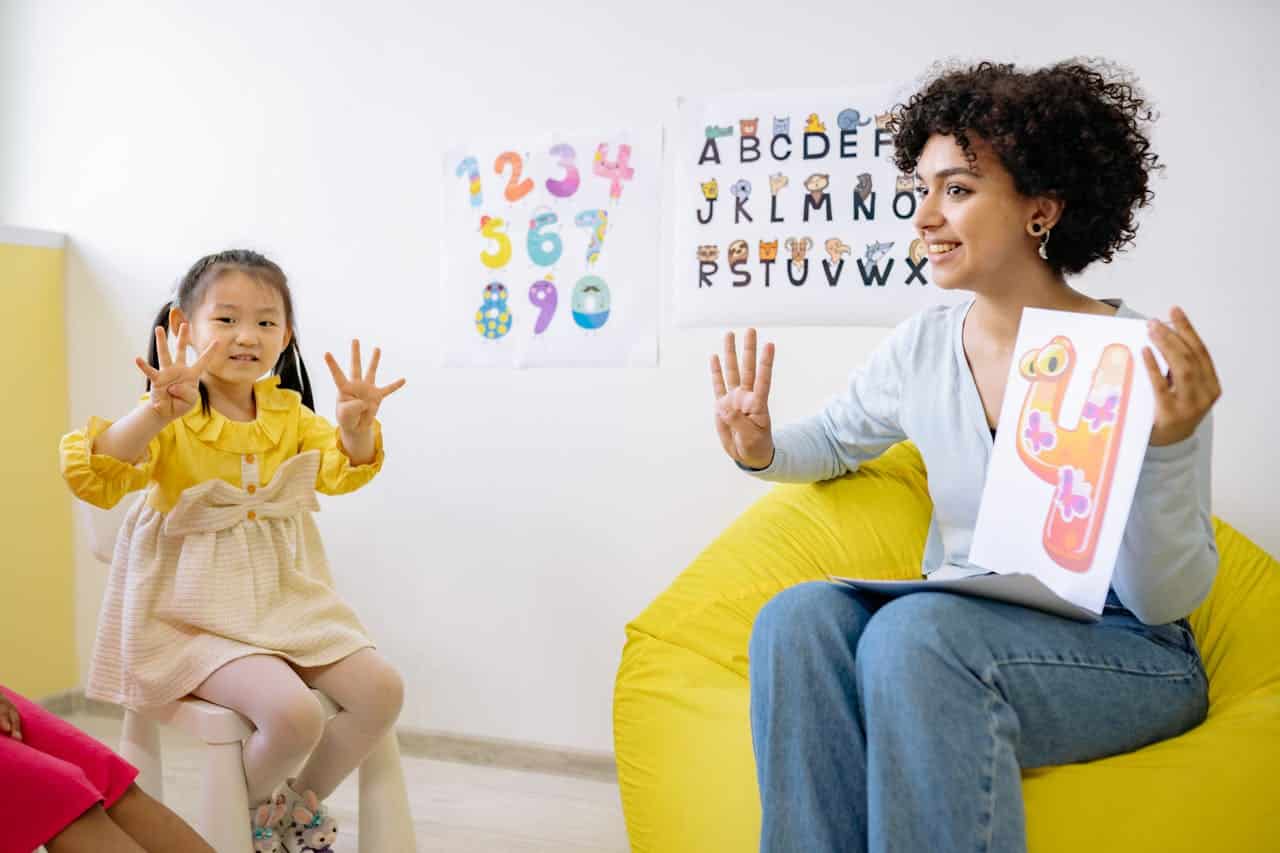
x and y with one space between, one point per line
52 776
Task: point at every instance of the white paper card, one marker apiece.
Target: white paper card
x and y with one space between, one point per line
1073 430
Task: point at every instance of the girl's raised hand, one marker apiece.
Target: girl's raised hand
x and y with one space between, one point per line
1185 396
175 385
742 402
358 395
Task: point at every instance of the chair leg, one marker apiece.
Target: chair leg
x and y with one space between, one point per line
140 746
385 822
224 807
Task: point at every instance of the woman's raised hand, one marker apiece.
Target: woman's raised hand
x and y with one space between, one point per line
358 395
175 385
742 401
1186 394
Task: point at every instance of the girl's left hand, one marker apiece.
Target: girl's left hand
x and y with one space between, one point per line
359 396
1185 396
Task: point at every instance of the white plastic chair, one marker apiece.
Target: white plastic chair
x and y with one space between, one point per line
385 825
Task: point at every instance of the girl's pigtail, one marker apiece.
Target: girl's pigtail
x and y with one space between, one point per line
292 371
153 355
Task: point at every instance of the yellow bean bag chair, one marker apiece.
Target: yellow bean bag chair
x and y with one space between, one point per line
683 739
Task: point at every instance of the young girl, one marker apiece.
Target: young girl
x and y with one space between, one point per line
903 724
219 586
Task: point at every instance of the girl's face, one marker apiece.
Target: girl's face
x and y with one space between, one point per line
249 317
971 217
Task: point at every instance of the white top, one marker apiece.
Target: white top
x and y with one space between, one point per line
917 386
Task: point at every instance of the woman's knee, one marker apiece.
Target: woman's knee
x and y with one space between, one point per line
912 635
813 613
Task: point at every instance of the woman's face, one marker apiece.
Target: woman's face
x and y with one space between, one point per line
249 317
971 217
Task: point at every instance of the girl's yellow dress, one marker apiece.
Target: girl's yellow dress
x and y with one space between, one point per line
220 558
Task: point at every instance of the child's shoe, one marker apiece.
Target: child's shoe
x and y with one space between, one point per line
309 828
268 827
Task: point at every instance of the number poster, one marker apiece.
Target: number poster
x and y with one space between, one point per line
549 251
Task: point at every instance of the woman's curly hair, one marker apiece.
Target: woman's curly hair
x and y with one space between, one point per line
1074 131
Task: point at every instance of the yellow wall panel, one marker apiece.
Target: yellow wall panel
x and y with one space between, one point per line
37 571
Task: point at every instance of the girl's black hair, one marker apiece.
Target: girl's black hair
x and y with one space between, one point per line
1077 131
289 366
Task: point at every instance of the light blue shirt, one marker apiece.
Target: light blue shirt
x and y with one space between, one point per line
917 385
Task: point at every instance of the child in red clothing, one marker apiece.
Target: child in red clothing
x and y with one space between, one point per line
67 791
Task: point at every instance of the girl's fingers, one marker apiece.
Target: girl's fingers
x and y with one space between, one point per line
731 361
749 359
387 390
339 378
717 378
371 376
162 348
184 341
209 352
355 358
764 379
147 370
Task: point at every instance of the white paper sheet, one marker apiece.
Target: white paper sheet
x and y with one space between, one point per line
1073 430
1016 589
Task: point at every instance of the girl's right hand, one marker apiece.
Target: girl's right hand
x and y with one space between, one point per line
742 403
10 720
175 386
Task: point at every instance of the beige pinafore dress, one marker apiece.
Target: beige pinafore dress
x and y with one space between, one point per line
228 572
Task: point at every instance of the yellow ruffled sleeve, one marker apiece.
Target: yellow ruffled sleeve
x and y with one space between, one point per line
337 475
97 478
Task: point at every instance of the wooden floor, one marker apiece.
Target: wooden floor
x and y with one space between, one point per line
456 807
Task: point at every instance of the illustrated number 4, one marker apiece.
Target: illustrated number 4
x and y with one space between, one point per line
616 172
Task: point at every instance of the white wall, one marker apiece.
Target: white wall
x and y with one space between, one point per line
523 518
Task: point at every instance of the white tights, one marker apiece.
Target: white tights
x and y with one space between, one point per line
290 722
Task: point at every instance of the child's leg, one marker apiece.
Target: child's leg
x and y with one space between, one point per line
288 718
370 692
95 832
153 826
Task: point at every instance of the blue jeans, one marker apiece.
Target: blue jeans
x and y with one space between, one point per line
902 724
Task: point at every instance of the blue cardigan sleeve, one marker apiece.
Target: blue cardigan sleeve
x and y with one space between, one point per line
1168 557
855 426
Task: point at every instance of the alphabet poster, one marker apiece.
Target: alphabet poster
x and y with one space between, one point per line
1073 431
549 250
789 211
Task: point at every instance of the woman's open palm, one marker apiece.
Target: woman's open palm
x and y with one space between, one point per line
175 385
358 394
742 401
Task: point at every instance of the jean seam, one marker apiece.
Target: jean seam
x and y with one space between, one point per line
1188 672
984 844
